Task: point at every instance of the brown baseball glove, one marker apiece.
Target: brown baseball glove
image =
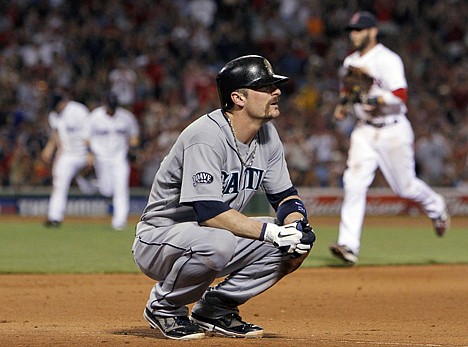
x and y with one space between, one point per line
356 85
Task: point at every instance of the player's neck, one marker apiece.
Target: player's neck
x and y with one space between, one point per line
366 49
244 128
61 106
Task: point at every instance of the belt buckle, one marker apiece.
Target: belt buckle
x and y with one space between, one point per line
382 124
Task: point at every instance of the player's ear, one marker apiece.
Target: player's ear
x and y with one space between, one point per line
374 32
238 97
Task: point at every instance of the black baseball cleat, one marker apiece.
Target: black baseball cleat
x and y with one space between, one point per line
442 223
176 328
230 325
52 223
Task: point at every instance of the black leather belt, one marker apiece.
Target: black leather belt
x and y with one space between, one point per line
381 124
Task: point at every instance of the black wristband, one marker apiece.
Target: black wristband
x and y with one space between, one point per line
288 207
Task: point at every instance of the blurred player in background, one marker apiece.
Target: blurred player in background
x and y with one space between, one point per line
113 136
123 80
382 137
67 146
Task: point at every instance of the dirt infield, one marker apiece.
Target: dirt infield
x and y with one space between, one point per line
361 306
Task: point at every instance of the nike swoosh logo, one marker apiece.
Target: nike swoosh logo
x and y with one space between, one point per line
282 235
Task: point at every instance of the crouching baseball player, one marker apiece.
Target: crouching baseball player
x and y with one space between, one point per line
192 230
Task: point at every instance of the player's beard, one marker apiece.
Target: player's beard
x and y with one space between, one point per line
268 116
363 44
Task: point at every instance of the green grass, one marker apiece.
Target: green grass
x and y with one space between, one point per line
91 246
75 247
397 240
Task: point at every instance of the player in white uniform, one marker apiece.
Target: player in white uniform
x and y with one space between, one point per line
382 138
68 120
192 230
113 132
123 80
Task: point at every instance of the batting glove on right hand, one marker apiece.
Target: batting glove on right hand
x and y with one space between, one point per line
286 237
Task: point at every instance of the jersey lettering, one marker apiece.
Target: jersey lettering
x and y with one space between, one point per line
72 129
100 132
251 180
231 183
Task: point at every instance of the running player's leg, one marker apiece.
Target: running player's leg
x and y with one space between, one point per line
64 169
104 176
358 176
398 166
121 197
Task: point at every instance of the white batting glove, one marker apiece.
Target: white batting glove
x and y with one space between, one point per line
286 236
302 248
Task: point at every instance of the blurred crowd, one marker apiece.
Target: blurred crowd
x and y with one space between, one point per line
161 59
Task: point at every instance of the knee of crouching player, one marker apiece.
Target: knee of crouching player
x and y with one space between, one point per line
290 264
217 250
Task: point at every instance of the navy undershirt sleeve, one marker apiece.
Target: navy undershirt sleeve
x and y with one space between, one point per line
207 209
275 199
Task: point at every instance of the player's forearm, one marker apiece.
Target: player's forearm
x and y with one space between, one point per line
237 223
49 149
134 142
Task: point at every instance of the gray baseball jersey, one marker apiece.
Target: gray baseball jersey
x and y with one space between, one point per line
204 165
171 247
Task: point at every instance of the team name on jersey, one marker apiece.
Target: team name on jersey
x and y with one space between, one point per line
72 129
251 180
100 132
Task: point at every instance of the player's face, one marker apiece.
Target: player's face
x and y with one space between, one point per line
262 103
360 38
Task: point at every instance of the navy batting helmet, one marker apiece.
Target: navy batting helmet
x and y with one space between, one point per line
250 71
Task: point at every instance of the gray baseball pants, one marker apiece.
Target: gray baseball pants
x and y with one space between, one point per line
186 258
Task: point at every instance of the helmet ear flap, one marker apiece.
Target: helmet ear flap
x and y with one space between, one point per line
224 93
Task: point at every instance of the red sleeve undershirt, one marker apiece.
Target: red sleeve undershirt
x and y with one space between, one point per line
401 93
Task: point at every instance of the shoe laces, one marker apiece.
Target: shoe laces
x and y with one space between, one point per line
234 320
179 321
